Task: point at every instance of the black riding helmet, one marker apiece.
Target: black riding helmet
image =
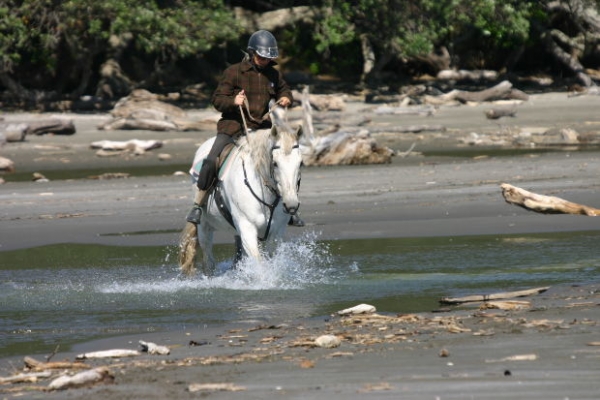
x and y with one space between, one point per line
264 44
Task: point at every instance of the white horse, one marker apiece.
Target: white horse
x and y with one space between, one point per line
254 197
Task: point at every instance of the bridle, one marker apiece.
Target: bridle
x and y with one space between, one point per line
270 206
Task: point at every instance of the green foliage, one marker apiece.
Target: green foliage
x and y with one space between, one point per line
171 30
413 28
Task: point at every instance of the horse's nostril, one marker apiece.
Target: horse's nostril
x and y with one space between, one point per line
290 210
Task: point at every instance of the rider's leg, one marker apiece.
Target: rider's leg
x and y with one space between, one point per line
207 176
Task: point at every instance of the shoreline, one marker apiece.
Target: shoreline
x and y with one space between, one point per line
463 351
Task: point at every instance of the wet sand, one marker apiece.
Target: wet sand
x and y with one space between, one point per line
412 197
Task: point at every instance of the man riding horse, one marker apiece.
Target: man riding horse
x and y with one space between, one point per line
246 87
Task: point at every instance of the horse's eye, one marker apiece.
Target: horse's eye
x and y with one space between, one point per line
275 164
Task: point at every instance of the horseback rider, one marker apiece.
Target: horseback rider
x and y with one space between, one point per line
246 87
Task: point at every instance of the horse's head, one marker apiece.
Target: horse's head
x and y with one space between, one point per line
286 161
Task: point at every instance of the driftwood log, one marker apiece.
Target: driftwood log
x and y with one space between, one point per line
114 353
497 113
26 377
493 296
345 148
502 91
86 378
135 146
6 165
409 129
323 102
544 204
146 111
31 364
16 131
471 75
338 147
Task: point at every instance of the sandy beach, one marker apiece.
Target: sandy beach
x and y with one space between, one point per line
548 349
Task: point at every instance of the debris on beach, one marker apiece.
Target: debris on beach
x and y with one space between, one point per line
338 145
39 178
110 175
153 348
7 165
328 341
502 91
544 204
135 146
115 353
493 296
497 113
358 333
505 305
146 111
214 387
31 364
518 357
359 309
85 378
17 131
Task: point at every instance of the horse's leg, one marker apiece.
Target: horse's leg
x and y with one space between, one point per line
249 241
205 238
239 250
188 245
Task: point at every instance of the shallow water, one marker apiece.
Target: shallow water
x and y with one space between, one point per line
65 294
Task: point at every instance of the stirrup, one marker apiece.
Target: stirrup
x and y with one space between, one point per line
194 214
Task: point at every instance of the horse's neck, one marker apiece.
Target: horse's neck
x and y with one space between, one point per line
257 158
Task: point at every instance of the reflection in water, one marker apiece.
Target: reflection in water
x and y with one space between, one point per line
63 294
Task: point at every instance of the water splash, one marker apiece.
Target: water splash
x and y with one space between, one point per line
292 265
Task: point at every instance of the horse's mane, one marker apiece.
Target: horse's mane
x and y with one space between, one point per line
258 145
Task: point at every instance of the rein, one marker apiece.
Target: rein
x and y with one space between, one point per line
271 206
275 203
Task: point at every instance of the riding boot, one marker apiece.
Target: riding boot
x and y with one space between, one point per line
207 177
196 212
208 172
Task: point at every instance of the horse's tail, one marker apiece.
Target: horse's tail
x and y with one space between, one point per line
188 246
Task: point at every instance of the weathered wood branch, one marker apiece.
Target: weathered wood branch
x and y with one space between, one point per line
324 102
503 90
144 110
7 165
496 113
86 378
472 75
27 377
409 129
493 296
31 364
544 204
55 126
115 353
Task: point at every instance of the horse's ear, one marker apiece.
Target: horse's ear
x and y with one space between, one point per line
300 131
274 131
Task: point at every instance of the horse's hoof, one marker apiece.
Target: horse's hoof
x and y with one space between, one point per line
194 215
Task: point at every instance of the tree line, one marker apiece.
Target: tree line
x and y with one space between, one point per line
52 49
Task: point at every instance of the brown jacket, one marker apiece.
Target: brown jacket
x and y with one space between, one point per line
260 87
